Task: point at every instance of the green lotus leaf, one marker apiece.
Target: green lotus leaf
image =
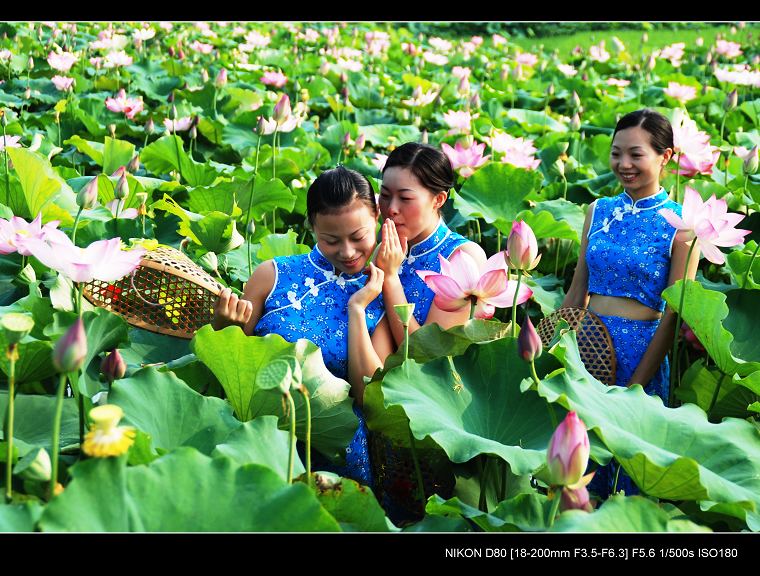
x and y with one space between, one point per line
43 190
160 404
92 149
497 192
624 514
116 153
236 359
521 513
709 317
431 523
267 196
217 198
473 405
105 331
260 441
33 423
354 507
382 135
669 453
213 231
543 225
35 361
184 491
698 386
534 121
19 517
167 154
147 347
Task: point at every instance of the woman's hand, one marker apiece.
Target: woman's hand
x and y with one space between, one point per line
371 290
230 309
392 249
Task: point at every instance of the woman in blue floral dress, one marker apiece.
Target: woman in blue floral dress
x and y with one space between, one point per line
627 258
324 296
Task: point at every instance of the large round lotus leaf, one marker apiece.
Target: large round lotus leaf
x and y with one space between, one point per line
522 513
698 386
476 406
497 192
236 359
19 517
705 311
183 491
624 514
171 412
743 306
670 453
354 507
260 441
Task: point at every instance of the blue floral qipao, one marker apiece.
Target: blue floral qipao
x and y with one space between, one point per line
628 255
424 256
309 300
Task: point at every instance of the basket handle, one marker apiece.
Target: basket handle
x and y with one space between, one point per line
140 296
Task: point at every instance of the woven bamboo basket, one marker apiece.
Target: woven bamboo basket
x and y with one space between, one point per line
594 342
167 293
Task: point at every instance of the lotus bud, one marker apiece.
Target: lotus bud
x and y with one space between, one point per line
180 54
35 466
173 113
464 85
3 118
204 75
261 126
360 142
193 132
475 101
27 94
209 261
150 126
644 38
713 66
528 342
111 129
343 77
651 63
16 326
522 247
731 100
424 139
251 228
503 74
575 499
122 187
344 93
550 91
70 350
30 63
282 110
575 122
700 41
584 77
567 456
27 275
750 162
113 366
517 72
88 195
346 139
576 100
221 78
404 312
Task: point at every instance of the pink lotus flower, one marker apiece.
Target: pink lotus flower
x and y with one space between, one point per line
529 345
102 260
276 79
691 167
282 110
567 456
350 65
710 222
70 350
567 70
459 122
116 59
618 83
688 335
113 366
599 53
743 77
522 247
180 124
9 142
221 78
440 44
460 283
5 54
433 58
465 160
680 92
379 161
728 49
420 99
674 53
128 214
15 231
129 106
692 146
527 59
61 61
201 48
143 34
498 39
460 72
519 152
62 83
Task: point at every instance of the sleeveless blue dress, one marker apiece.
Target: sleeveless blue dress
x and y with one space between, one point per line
310 300
628 255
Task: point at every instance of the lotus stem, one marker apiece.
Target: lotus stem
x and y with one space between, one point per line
617 476
477 226
250 205
678 179
307 401
715 395
76 222
7 175
420 491
674 355
12 355
483 465
503 487
56 434
514 303
292 451
498 240
555 507
176 147
549 406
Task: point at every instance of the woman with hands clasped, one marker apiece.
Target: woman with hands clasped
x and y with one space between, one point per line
416 182
324 296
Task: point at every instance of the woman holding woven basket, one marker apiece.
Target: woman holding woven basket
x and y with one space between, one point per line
326 296
628 256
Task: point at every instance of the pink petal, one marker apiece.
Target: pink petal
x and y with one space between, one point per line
711 252
505 299
464 270
484 310
445 287
491 283
496 262
674 219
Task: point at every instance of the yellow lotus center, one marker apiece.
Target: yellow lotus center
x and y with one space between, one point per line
106 417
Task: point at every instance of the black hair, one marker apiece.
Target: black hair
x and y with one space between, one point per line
337 188
659 128
431 166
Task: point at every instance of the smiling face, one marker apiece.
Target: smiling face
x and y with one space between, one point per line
347 237
412 207
636 163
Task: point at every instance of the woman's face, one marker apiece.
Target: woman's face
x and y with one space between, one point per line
412 207
347 237
635 163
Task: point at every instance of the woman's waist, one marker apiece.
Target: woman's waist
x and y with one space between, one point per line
623 307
